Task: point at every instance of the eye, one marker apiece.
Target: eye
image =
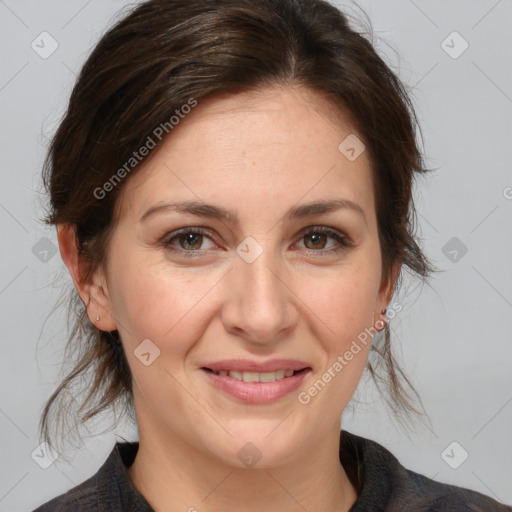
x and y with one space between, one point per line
188 240
317 240
324 240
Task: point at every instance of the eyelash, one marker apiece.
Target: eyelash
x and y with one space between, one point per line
342 240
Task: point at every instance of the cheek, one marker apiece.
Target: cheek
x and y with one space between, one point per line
152 302
342 329
344 301
341 316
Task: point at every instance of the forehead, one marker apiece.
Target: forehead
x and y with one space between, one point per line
279 142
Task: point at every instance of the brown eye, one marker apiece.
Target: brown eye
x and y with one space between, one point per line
190 241
324 241
315 240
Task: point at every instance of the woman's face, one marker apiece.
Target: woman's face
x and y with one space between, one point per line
244 270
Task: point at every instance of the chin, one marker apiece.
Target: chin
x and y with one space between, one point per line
257 446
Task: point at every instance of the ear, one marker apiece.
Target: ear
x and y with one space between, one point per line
385 295
93 292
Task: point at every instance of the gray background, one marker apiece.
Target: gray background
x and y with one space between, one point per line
455 336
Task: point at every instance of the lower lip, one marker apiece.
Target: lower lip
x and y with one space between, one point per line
257 392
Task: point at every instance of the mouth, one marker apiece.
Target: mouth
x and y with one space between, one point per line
252 387
264 377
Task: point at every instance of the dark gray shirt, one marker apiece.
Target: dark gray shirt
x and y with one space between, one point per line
382 483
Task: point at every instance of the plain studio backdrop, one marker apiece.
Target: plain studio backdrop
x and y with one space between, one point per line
454 336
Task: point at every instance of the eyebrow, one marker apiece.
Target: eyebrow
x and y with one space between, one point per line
201 209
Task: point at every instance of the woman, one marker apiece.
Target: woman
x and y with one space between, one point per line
231 187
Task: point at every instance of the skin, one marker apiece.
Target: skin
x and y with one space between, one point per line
258 154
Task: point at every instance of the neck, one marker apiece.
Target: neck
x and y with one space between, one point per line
174 476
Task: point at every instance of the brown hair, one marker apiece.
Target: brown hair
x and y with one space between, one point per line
150 64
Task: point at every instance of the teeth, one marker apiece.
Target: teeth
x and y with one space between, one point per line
267 377
255 376
250 377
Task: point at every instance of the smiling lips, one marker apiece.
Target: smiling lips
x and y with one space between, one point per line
257 383
256 376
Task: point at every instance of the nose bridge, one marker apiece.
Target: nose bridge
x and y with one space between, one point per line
258 305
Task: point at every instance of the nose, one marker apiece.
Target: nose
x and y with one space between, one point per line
259 305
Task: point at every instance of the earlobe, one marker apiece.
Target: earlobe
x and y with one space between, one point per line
385 295
93 291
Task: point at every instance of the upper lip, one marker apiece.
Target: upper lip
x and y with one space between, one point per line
246 365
